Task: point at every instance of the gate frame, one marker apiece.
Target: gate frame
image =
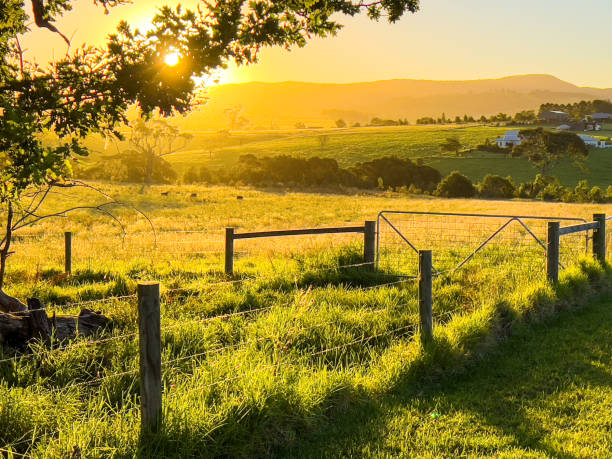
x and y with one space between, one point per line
519 218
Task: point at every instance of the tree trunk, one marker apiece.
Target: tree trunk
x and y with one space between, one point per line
5 251
10 304
17 330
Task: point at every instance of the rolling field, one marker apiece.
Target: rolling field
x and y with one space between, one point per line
349 146
251 364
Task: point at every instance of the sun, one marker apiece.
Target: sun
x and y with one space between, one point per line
172 59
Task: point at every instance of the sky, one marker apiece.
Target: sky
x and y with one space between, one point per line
446 40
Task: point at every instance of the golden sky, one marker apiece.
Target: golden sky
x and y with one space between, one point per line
446 40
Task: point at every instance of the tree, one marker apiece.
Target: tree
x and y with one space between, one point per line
236 119
151 142
525 117
452 145
456 185
89 90
340 123
545 149
494 186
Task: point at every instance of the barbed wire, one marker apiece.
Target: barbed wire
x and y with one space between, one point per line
279 364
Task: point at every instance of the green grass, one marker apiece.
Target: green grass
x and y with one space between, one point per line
254 384
546 392
349 146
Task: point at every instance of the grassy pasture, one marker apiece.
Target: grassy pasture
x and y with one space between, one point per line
349 146
544 393
323 339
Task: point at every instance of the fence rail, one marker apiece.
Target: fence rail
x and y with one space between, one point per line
368 230
457 238
149 296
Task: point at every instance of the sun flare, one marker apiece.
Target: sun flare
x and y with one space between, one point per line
172 59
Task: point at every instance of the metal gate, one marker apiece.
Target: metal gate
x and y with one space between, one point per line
458 239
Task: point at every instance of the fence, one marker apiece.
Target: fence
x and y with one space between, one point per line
150 328
459 239
368 231
555 232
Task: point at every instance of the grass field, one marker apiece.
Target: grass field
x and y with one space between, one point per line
547 392
319 339
349 146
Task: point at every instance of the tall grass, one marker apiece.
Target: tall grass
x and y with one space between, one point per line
302 338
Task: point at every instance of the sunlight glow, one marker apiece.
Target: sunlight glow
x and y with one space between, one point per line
172 59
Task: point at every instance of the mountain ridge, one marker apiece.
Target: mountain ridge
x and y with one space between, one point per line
283 104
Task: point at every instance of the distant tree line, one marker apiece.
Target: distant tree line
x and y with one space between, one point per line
319 172
523 117
387 174
579 110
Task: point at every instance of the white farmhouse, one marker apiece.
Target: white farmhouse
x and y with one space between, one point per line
509 139
593 142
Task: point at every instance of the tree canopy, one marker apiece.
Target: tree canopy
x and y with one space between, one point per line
89 89
545 148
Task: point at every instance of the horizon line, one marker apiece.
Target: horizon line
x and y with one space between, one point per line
474 80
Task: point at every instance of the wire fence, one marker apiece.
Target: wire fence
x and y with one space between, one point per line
457 241
461 240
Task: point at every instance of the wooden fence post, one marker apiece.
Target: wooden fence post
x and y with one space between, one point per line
425 296
229 251
369 243
68 252
552 252
599 238
149 328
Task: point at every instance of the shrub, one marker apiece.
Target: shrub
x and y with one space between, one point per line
531 190
494 186
597 195
190 176
396 172
456 185
582 192
553 192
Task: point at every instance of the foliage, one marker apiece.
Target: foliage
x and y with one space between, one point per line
395 172
89 90
145 161
287 170
340 123
545 148
492 147
494 186
456 185
387 122
525 117
452 145
236 118
579 110
426 120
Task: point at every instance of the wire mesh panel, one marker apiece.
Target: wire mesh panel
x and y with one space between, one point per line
460 240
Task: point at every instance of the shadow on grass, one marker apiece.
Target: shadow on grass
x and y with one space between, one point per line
511 401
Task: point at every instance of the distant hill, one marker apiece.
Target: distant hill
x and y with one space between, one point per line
281 105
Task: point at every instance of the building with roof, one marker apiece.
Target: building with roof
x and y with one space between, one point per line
593 142
510 139
554 116
601 117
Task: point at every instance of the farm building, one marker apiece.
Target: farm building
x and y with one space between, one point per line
582 125
593 142
601 116
554 116
509 139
